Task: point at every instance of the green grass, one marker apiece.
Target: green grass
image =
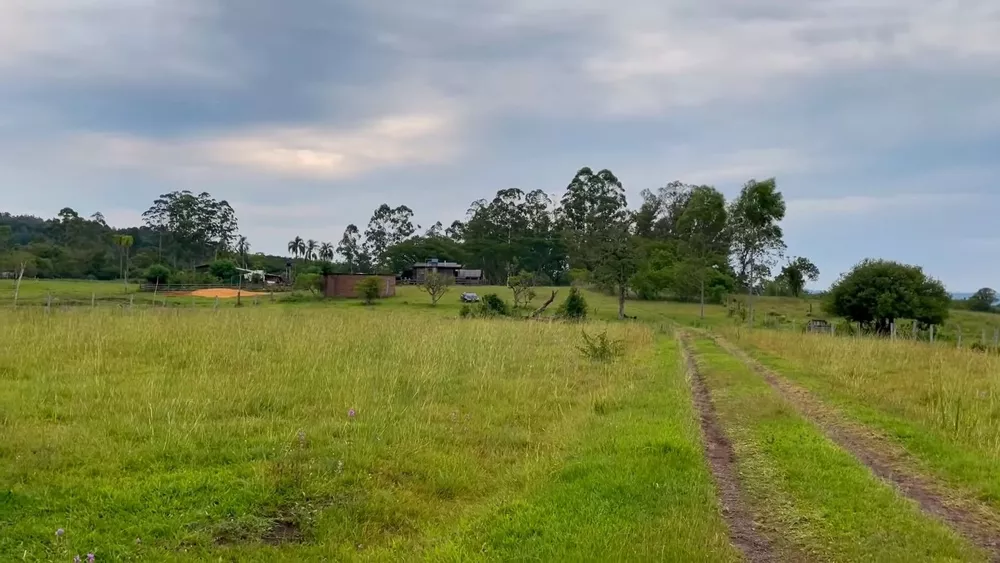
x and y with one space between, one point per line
821 502
213 435
939 403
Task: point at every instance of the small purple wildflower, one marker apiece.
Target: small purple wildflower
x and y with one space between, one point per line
351 413
60 532
76 559
90 558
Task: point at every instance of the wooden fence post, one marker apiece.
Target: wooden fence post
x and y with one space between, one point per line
932 334
93 299
892 331
915 335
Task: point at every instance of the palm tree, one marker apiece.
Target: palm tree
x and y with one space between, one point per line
311 247
296 247
326 252
243 248
124 244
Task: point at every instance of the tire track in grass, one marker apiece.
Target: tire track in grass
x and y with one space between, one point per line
722 461
878 457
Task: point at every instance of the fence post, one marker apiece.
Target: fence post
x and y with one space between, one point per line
93 299
833 330
932 334
915 335
48 302
131 300
959 336
892 331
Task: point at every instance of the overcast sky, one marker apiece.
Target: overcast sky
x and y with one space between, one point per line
879 118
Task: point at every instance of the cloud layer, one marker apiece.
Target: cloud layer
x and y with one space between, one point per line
874 115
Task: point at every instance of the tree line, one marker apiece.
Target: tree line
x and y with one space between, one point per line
682 241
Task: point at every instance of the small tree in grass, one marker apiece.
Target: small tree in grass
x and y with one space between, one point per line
523 286
311 282
224 270
574 307
368 289
436 285
157 273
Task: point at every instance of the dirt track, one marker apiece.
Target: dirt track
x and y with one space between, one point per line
885 460
722 461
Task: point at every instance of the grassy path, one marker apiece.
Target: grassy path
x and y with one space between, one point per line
884 461
719 453
815 500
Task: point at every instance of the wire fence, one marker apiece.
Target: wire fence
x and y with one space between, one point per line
982 335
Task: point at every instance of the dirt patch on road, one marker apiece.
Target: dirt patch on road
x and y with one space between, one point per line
224 293
722 461
888 461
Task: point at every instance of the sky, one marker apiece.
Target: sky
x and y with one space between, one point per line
880 119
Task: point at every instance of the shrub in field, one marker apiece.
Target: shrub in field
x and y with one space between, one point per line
877 292
368 289
574 307
157 273
309 282
601 348
492 305
465 312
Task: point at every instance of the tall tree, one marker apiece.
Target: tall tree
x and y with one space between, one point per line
311 247
350 247
590 204
757 240
243 248
387 227
797 272
297 247
983 300
704 235
326 252
124 244
617 260
197 227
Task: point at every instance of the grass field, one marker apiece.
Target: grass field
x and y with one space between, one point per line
207 435
302 429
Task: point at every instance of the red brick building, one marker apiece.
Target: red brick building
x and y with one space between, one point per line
343 285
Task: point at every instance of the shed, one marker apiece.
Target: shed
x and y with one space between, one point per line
469 277
345 285
421 269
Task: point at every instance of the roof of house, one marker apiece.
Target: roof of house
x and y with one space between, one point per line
454 265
